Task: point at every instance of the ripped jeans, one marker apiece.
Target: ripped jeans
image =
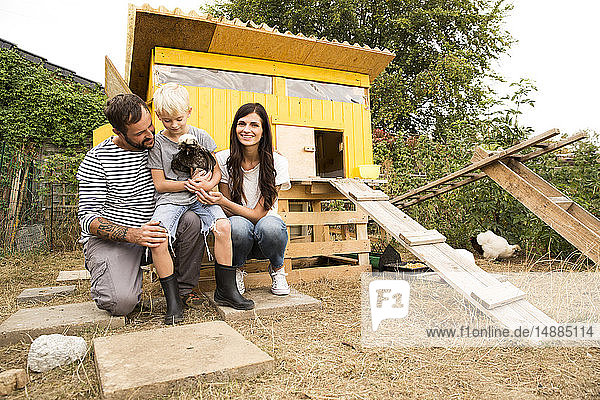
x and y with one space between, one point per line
267 239
169 214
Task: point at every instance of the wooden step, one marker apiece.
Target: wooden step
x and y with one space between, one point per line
541 145
495 296
419 238
562 201
372 195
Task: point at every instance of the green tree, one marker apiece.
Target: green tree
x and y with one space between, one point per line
443 51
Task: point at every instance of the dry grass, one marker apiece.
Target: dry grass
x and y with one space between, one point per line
318 354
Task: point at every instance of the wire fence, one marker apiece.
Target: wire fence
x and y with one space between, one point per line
35 213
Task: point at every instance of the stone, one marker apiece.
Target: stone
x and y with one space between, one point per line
11 380
44 293
144 364
266 303
29 323
51 351
82 274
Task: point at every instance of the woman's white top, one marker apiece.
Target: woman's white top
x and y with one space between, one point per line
250 185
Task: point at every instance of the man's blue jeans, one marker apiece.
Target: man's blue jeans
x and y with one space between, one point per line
267 239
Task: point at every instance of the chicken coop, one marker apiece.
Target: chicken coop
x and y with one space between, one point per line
315 90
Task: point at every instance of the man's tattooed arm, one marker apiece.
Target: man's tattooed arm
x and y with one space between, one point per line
110 231
151 234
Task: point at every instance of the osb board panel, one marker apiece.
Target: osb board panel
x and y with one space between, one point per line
157 30
292 142
113 82
351 58
260 44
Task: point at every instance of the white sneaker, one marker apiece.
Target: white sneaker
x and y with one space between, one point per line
280 286
239 280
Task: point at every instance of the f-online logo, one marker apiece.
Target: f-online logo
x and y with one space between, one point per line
388 299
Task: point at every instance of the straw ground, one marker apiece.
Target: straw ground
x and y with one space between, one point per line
318 354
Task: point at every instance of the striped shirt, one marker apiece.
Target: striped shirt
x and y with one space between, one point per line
115 184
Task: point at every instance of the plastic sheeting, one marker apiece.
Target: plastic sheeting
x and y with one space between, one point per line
218 79
325 91
212 78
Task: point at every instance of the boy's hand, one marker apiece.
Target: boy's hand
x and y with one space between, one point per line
201 175
194 186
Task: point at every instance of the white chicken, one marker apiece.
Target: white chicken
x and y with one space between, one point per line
466 256
495 247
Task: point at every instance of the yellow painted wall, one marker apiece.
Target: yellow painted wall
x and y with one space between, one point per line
213 109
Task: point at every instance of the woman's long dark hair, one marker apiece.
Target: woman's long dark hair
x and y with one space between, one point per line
266 179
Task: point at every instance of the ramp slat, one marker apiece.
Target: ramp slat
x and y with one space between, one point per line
496 296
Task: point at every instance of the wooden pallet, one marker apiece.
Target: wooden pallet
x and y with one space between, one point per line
476 285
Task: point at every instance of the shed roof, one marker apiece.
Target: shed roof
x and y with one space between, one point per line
149 27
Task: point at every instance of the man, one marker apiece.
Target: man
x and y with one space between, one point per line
116 202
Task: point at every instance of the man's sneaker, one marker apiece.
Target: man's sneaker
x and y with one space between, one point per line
280 286
192 300
239 280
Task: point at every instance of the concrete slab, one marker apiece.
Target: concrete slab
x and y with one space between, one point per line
29 323
266 303
81 274
44 293
141 365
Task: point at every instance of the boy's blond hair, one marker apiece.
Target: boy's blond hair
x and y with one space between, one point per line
171 99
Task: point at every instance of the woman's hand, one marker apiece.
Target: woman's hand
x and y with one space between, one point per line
210 198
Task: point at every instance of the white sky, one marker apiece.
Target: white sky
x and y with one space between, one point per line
558 48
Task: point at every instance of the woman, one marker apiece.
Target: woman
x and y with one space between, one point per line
252 175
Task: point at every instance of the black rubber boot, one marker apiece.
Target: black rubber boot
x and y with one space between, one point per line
226 293
174 307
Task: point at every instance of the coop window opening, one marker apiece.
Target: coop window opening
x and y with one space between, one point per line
329 154
212 78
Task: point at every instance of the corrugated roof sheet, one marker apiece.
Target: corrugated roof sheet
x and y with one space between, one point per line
159 27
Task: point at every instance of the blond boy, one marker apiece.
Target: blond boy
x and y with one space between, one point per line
176 193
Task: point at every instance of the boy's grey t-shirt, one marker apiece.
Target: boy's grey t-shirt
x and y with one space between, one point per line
160 157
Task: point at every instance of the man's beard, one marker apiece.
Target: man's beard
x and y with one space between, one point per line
140 146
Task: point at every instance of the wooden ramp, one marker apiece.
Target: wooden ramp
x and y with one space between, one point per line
506 168
470 173
499 300
562 214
